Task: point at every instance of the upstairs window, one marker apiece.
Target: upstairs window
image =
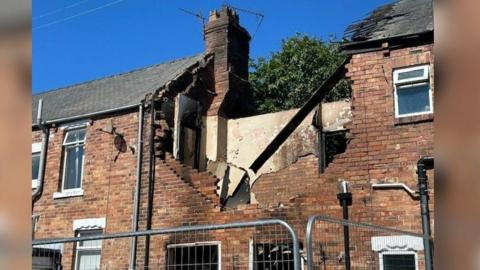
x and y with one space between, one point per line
73 158
413 95
36 149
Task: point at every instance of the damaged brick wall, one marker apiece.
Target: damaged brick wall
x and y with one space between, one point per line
380 149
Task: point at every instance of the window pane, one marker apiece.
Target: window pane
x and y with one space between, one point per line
73 167
413 99
193 257
75 135
411 74
35 165
399 262
92 243
88 260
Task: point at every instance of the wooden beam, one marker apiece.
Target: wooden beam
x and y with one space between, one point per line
295 121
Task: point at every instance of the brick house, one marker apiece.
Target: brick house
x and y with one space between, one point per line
179 144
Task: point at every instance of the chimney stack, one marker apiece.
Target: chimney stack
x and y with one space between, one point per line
228 41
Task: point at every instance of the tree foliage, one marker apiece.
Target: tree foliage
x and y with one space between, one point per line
288 78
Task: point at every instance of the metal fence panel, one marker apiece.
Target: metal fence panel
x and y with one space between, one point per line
254 245
369 246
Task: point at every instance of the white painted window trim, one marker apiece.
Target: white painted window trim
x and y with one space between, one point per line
425 76
396 245
74 125
381 254
89 224
217 243
36 149
410 83
79 248
73 192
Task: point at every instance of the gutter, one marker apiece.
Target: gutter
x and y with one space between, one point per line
136 198
363 46
37 193
68 119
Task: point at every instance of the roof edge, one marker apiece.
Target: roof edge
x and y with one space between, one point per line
117 74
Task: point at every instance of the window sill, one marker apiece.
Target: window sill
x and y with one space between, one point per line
68 193
35 184
414 119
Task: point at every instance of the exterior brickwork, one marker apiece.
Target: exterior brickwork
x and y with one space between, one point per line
381 149
108 185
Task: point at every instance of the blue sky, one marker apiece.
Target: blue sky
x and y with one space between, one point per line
81 40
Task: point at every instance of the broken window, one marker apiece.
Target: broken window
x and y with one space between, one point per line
203 256
413 95
187 132
333 143
190 134
272 256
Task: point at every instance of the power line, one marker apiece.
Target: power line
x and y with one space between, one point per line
59 10
257 14
78 14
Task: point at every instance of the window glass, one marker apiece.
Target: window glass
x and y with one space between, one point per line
88 252
399 262
73 136
413 99
35 165
73 167
201 256
88 260
73 158
416 73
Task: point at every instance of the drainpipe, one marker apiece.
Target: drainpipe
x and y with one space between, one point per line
151 182
37 193
425 163
136 198
345 199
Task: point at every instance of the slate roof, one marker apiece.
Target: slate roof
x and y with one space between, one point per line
117 91
404 17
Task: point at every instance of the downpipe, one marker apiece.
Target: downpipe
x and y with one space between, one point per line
37 193
136 198
425 163
151 183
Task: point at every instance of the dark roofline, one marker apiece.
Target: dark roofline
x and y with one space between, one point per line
114 75
394 42
35 126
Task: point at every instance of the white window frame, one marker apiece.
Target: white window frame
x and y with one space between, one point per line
396 245
90 248
381 254
210 243
425 79
72 191
36 149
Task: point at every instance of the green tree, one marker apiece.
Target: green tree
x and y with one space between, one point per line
288 78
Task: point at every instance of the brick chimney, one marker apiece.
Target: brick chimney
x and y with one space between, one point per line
229 42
